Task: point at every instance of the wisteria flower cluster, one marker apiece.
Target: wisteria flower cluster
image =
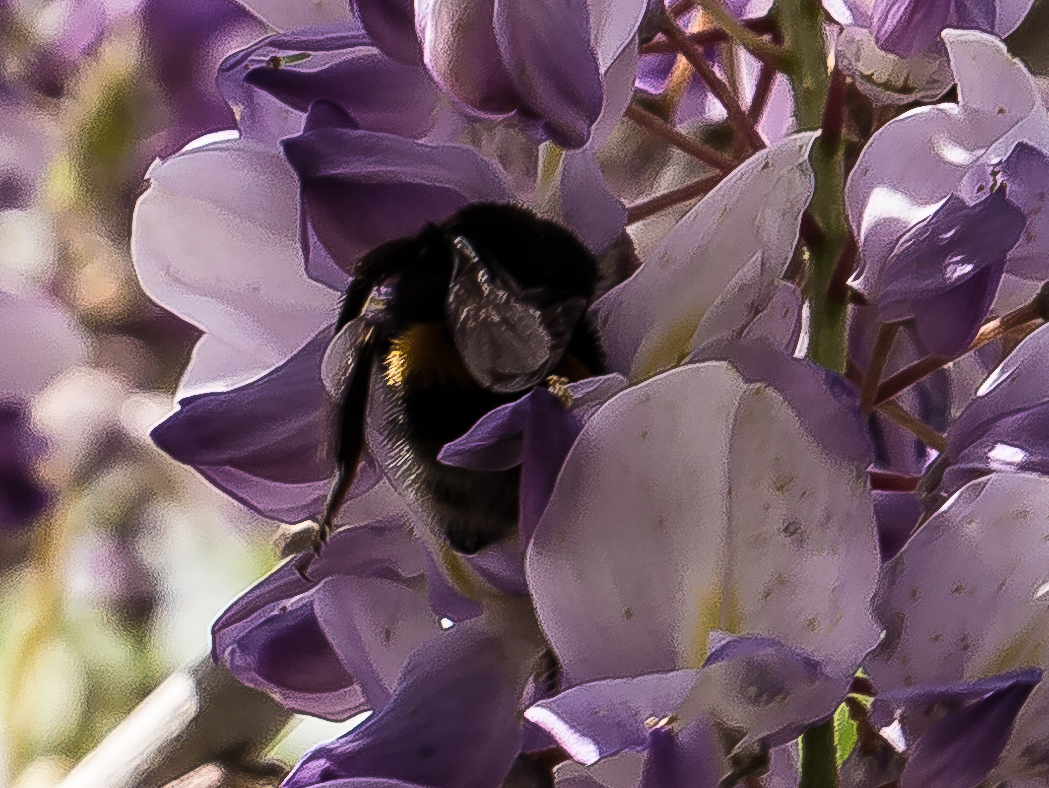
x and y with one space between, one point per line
775 472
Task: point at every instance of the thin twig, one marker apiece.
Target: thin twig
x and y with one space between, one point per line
879 357
762 91
690 191
887 481
721 91
843 268
913 425
683 142
992 330
661 46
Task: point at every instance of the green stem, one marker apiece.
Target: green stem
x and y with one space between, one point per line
818 757
801 22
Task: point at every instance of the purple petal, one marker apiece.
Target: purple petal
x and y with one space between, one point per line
888 79
1026 171
550 433
216 241
770 691
22 497
945 271
965 599
332 646
274 433
974 14
826 404
915 162
897 514
363 188
603 718
460 49
1017 385
391 24
454 720
182 42
588 206
647 323
495 441
378 93
958 731
291 16
686 758
905 27
545 47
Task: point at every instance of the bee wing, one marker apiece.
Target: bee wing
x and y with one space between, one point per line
502 338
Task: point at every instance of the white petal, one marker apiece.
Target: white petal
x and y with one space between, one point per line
613 24
695 502
649 321
215 240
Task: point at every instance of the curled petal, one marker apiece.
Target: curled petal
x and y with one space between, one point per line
391 24
460 48
647 324
454 720
333 645
545 46
363 188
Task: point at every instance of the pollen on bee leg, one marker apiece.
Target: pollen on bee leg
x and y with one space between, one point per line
667 722
558 386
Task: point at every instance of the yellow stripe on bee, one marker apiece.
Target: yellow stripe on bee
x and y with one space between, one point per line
426 353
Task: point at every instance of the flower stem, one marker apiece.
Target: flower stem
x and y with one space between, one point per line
818 107
722 92
992 330
761 26
876 365
818 757
682 142
668 199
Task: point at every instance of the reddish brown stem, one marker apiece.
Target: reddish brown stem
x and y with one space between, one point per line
992 330
692 147
722 92
892 482
843 268
762 91
661 202
662 46
879 357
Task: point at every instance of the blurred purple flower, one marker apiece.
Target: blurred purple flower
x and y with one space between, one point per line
22 497
38 340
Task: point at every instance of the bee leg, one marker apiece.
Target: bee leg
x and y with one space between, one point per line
302 563
351 441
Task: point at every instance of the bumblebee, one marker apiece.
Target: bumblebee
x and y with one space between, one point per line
439 329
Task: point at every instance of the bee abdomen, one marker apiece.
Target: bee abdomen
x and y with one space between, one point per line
411 419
